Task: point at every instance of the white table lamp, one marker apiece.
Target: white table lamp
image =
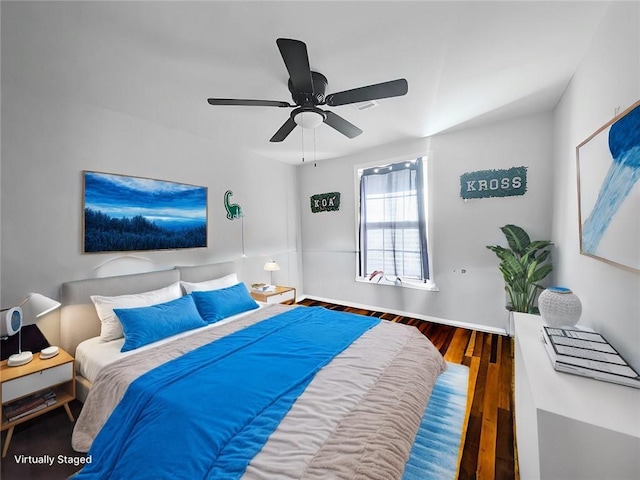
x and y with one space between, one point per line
271 267
31 308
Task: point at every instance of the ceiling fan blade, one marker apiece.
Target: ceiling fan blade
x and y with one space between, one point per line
294 54
394 88
248 103
284 130
340 124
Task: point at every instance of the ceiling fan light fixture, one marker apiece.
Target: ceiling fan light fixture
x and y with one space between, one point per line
308 119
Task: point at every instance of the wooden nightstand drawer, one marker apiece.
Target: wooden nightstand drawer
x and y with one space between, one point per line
280 295
19 387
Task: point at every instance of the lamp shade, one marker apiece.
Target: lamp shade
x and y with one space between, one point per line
37 305
271 266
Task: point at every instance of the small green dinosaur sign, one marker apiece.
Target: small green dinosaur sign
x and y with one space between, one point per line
494 183
233 209
325 202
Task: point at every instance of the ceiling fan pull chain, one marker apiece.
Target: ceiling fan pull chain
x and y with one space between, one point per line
302 137
315 156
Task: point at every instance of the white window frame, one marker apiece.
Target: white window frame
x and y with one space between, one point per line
430 284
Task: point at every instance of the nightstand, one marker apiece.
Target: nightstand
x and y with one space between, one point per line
57 373
286 295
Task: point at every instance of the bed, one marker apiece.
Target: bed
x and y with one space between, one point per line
255 391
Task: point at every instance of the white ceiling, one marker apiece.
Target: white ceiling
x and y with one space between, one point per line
465 62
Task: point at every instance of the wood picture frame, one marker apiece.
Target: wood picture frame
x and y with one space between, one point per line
608 173
124 213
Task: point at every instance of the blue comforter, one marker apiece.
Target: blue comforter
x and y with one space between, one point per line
207 413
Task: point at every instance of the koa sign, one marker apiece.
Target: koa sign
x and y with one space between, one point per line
325 202
494 183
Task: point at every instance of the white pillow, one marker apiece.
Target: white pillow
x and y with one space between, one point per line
215 284
111 328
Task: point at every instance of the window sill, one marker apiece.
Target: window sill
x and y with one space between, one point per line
414 284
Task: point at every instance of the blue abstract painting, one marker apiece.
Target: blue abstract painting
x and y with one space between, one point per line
123 213
609 170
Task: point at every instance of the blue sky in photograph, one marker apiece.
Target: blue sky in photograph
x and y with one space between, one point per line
167 204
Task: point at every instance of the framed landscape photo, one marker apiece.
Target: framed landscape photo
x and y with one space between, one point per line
608 164
123 214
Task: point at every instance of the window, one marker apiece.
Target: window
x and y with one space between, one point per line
393 223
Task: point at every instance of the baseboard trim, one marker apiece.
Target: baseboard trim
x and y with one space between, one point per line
427 318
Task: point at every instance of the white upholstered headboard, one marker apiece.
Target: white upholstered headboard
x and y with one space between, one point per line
201 273
78 318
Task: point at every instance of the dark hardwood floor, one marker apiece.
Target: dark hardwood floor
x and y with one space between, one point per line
488 451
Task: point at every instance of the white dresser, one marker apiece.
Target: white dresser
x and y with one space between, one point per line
570 427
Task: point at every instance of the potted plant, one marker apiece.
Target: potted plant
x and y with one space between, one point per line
523 267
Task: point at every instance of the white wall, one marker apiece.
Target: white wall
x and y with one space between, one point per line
608 79
48 140
461 230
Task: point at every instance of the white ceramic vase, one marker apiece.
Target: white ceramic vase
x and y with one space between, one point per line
559 307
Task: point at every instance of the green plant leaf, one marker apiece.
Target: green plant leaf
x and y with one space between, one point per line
542 272
499 250
513 265
517 238
543 256
539 244
531 269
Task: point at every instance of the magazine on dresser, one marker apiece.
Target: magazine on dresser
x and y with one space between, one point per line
589 354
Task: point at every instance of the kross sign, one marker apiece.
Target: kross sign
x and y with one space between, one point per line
494 183
325 202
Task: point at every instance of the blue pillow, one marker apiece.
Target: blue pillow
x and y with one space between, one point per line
144 325
215 305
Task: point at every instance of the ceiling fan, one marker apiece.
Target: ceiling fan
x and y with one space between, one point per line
308 92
